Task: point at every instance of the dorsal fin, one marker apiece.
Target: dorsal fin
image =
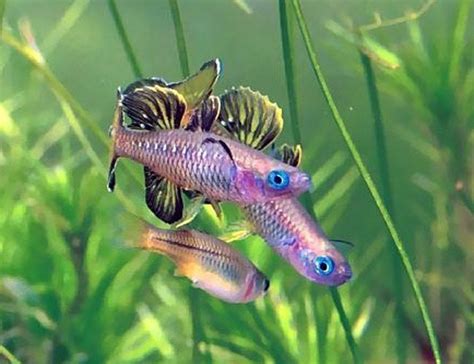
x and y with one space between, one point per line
289 154
204 117
197 88
145 82
250 117
154 107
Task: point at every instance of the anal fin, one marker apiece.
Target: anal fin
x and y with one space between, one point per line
163 197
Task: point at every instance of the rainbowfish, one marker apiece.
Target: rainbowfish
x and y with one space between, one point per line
170 135
211 264
284 224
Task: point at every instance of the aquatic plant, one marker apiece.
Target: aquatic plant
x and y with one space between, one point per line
68 292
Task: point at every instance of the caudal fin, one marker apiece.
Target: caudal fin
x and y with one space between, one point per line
136 232
117 124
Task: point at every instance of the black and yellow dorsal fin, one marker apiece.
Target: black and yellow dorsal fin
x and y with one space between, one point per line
289 154
250 117
153 107
205 115
163 197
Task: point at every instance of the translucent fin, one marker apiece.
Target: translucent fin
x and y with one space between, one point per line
197 88
199 198
289 154
204 117
154 108
250 117
133 231
191 211
344 247
163 197
237 231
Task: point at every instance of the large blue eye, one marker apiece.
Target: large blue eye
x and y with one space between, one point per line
323 265
278 180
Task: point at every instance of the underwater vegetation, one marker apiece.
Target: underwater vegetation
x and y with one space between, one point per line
382 107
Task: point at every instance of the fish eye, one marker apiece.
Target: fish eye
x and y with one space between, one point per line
323 265
266 285
278 179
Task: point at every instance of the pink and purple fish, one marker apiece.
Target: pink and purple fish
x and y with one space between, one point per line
170 135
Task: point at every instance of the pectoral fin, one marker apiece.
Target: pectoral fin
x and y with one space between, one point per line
237 231
250 117
222 144
154 107
163 197
191 211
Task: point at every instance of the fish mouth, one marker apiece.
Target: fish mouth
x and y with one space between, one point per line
345 272
304 182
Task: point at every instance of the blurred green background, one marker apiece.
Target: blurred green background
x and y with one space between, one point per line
70 293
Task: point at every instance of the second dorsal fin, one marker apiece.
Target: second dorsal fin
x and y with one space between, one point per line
250 117
153 107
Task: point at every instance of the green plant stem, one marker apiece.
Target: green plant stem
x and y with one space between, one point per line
180 40
7 355
2 13
288 58
401 343
287 35
367 179
127 46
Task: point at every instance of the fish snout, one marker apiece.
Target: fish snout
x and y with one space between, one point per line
303 182
345 272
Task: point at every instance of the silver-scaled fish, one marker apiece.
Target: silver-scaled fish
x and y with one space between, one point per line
169 133
284 224
211 264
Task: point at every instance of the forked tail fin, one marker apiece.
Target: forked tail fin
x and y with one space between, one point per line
117 124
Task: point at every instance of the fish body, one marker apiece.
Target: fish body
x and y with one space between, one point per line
211 264
181 152
199 161
288 228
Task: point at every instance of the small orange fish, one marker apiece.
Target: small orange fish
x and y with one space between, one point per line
208 262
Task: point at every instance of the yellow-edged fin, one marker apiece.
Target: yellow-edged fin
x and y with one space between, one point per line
153 107
236 231
250 117
196 88
163 197
289 154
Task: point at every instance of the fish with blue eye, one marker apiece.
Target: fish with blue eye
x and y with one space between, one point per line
170 133
284 223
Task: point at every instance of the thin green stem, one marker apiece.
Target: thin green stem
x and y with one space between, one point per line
127 46
367 179
346 325
199 336
2 13
180 40
7 355
288 57
287 35
401 343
